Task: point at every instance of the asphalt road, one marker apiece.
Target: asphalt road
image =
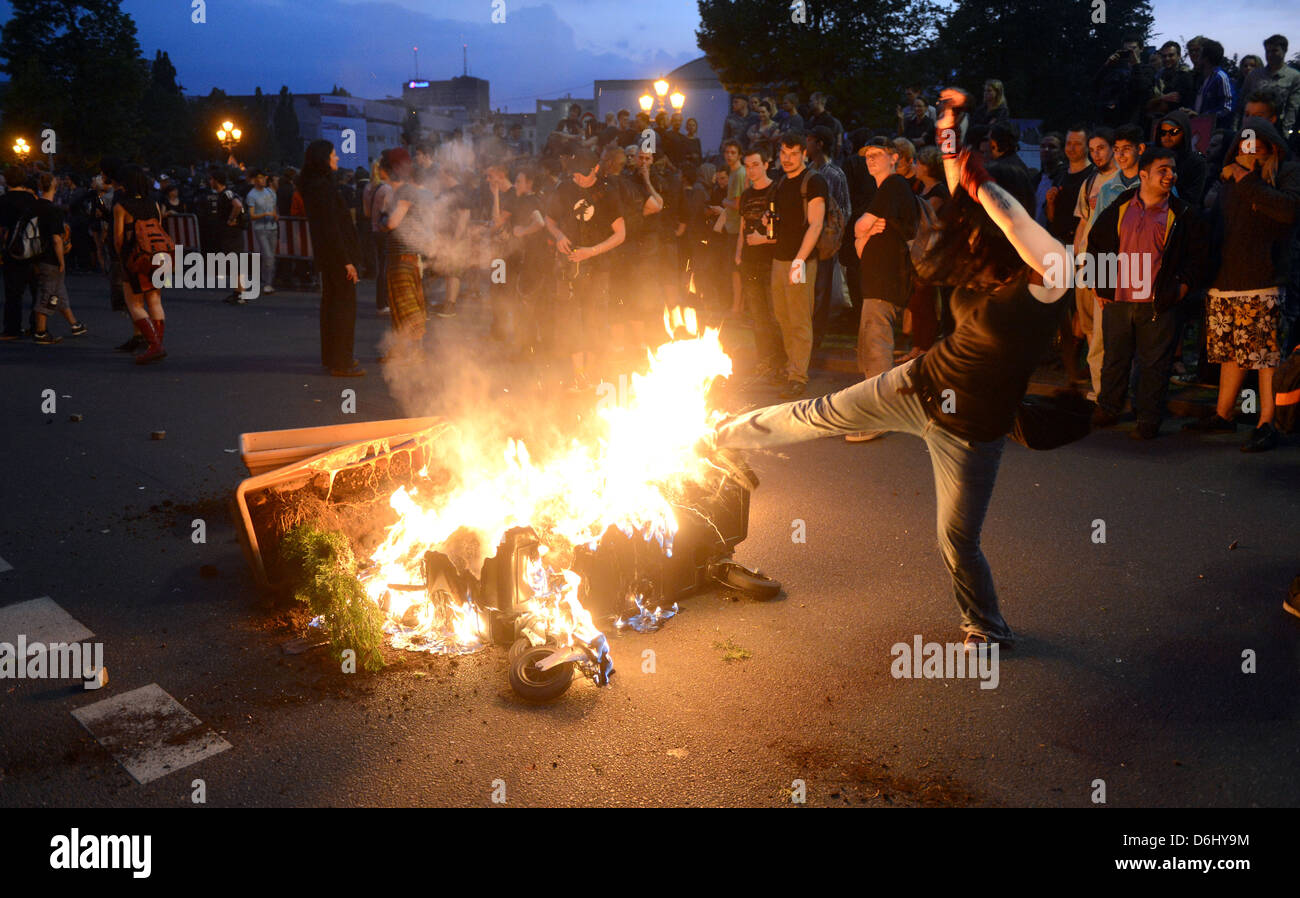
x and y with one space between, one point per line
1129 669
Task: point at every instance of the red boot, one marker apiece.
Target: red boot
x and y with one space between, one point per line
152 333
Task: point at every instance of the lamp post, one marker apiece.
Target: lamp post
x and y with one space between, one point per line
228 136
22 150
661 89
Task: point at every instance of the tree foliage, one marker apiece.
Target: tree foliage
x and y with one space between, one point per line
859 52
288 140
166 117
75 66
864 52
1045 52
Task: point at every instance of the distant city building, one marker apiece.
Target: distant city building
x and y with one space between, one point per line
464 91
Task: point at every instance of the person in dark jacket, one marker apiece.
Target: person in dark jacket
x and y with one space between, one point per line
336 253
1254 220
1159 243
1175 133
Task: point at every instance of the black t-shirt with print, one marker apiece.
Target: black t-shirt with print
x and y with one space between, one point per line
791 223
886 264
585 215
754 205
50 217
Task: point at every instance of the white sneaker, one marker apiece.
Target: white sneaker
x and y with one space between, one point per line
863 436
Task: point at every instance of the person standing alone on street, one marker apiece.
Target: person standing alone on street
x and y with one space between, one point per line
336 253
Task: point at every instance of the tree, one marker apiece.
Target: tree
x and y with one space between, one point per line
288 141
859 52
166 117
1045 53
75 65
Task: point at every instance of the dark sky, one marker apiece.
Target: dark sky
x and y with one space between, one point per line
542 50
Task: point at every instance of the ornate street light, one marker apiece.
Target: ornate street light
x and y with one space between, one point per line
228 135
22 149
647 102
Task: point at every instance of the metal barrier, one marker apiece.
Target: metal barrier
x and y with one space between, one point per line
294 238
184 230
293 242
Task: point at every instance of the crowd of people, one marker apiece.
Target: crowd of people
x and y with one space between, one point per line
792 223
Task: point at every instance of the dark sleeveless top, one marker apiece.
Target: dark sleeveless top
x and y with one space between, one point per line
1001 333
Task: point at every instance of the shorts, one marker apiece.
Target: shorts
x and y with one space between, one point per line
1242 327
53 295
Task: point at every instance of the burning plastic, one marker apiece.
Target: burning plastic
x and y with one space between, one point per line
645 620
626 477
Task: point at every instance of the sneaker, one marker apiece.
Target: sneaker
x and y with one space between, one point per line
445 310
1146 430
976 641
1212 424
1262 439
235 299
794 389
1103 418
863 436
78 330
45 338
268 290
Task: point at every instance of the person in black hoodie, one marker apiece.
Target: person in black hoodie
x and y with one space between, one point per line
1254 217
1175 133
1160 242
336 253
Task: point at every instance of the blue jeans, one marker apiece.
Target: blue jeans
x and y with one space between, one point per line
964 472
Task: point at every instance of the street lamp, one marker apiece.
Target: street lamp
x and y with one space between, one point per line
228 135
21 149
661 88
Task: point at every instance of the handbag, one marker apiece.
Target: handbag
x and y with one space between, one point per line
1049 422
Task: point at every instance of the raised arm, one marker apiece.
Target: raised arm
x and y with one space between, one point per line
964 168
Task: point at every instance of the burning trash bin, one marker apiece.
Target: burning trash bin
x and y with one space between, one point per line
517 552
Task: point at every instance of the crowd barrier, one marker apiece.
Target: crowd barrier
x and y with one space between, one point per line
294 238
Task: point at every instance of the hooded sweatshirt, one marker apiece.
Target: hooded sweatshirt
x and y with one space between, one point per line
1254 220
1191 165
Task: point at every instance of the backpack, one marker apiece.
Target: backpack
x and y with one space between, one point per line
828 244
927 232
25 242
1286 387
150 239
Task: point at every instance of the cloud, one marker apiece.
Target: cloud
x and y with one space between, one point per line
366 47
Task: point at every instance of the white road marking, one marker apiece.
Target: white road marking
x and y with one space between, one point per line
149 732
40 620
